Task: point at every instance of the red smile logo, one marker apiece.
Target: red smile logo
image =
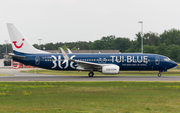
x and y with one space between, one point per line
16 45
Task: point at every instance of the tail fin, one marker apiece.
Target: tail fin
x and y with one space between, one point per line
19 43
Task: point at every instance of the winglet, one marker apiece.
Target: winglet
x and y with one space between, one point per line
66 57
69 51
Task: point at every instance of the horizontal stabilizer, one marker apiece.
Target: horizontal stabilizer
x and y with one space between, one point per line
16 56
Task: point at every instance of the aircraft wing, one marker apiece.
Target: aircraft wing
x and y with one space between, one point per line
87 65
82 65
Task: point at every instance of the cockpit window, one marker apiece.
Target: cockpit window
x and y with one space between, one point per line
166 59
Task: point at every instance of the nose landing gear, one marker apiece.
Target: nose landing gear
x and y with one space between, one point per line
159 74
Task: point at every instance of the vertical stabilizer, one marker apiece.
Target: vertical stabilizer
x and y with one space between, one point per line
20 44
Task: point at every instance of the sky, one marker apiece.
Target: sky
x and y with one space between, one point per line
86 20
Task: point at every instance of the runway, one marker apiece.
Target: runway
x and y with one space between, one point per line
84 78
17 76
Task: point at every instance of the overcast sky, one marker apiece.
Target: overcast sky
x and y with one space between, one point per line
86 20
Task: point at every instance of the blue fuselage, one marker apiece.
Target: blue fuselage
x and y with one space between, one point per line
126 61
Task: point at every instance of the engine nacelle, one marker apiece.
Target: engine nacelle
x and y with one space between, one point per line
110 69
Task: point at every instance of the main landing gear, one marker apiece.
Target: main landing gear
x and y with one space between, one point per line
91 74
159 74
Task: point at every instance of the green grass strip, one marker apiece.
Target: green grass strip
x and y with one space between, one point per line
2 74
73 97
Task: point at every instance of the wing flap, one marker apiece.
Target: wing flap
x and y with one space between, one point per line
88 65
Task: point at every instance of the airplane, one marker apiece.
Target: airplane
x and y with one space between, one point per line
106 63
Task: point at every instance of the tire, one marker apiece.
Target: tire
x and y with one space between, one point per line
91 74
159 74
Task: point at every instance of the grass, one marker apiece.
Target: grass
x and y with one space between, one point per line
90 97
171 72
2 74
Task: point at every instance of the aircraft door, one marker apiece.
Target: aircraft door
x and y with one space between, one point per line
157 60
37 60
99 60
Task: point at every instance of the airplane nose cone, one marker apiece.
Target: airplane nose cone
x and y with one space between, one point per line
173 64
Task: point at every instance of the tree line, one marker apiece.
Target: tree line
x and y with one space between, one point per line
167 43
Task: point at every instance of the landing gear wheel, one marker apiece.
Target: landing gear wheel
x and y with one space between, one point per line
91 74
159 74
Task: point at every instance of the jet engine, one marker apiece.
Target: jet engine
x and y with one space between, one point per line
110 69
